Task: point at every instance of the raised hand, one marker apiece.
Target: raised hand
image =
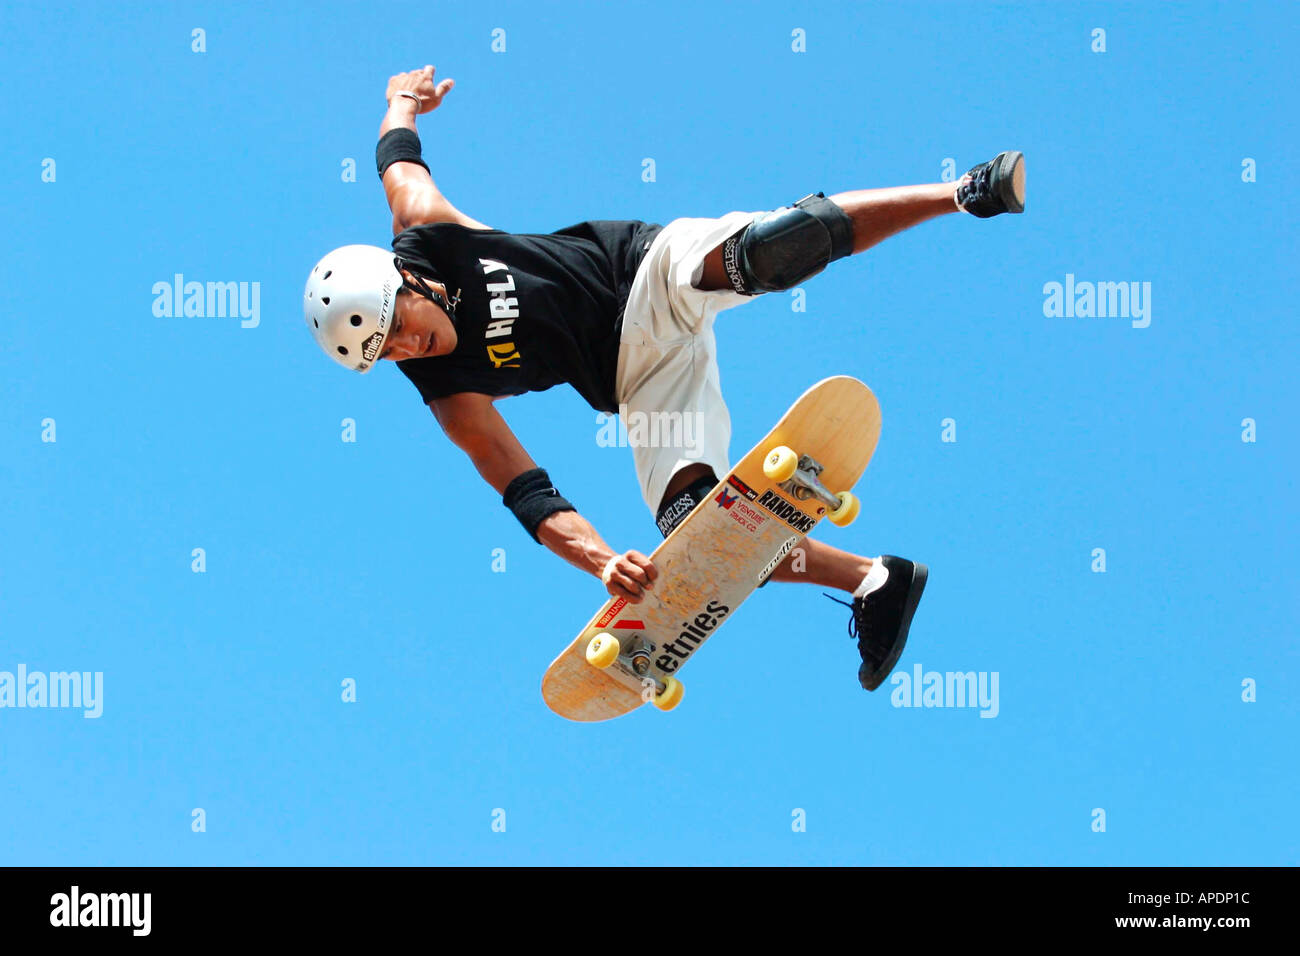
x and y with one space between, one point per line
419 82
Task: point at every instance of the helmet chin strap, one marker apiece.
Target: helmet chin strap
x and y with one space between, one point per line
418 285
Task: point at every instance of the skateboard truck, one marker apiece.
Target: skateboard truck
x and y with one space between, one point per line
799 475
639 656
805 483
603 650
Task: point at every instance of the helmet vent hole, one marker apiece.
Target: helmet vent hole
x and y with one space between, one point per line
356 320
342 350
325 299
328 274
314 322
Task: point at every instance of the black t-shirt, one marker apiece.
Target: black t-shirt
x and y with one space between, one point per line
535 310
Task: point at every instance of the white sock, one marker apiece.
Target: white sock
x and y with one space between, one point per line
956 201
875 579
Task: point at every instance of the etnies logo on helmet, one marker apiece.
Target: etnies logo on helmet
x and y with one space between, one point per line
370 347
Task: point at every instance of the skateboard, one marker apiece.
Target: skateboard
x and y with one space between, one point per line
630 654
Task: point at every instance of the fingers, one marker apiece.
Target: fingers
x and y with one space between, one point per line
645 564
638 568
415 77
631 575
630 581
619 584
421 83
618 591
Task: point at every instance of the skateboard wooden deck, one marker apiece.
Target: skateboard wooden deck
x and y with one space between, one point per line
718 555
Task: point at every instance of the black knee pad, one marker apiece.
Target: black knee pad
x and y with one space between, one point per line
674 511
780 249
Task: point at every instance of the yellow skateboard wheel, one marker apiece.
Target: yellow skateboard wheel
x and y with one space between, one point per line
602 651
671 695
780 464
847 511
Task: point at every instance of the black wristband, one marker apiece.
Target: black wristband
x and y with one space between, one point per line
400 145
533 498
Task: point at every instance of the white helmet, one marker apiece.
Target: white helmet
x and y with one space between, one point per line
349 303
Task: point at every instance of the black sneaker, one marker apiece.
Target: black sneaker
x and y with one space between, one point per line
995 187
881 619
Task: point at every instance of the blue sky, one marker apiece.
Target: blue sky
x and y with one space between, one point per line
373 560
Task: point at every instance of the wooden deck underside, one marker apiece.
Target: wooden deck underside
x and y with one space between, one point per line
715 558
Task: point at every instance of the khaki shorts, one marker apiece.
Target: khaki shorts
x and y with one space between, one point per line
667 385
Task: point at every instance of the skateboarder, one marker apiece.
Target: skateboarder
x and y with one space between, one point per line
623 311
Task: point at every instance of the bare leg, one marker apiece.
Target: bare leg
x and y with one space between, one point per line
877 214
880 213
823 565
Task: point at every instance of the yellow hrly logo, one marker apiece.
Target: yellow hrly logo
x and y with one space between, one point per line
504 355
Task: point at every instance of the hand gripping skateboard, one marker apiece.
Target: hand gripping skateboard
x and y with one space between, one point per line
757 514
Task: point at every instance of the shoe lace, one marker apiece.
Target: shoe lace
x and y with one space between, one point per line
855 625
976 186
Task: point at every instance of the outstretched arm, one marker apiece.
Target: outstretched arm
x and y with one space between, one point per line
474 425
412 195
